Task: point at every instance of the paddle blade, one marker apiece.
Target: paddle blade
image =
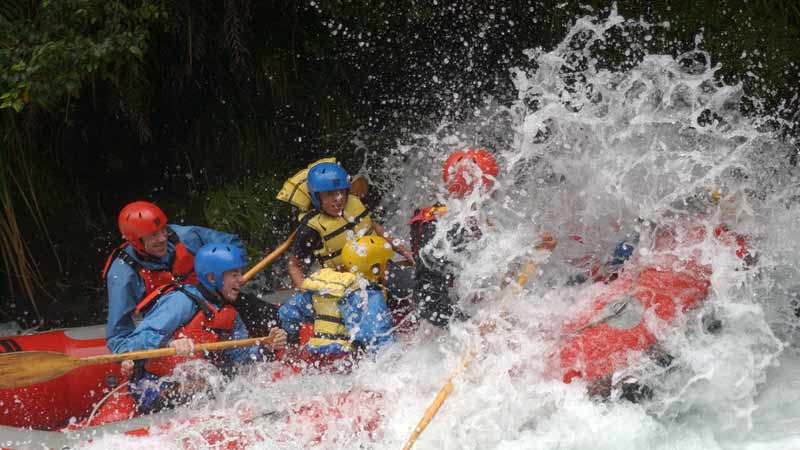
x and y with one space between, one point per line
25 368
359 186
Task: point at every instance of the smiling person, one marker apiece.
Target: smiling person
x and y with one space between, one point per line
337 217
155 254
183 315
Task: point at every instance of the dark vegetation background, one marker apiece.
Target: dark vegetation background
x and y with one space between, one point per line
206 106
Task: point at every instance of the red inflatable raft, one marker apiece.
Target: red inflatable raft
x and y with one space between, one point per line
50 405
626 314
80 405
597 344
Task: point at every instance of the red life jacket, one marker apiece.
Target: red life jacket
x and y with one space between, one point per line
181 267
208 325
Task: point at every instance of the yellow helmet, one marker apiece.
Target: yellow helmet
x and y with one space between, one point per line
368 256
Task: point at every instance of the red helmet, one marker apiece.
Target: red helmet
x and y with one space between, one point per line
460 174
139 219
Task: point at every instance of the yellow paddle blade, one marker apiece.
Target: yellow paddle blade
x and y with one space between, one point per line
25 368
359 186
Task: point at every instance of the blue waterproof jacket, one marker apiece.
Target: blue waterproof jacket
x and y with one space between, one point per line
368 320
126 288
174 310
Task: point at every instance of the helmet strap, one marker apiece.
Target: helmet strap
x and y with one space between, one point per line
380 275
212 280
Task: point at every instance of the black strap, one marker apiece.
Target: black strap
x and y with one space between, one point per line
136 266
329 318
332 336
157 294
323 258
10 346
201 303
347 226
128 259
120 253
308 216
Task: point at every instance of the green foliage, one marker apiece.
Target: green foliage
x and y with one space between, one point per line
47 57
49 51
248 208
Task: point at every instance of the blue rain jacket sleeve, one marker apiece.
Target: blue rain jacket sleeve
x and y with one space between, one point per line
295 312
125 289
242 355
172 311
623 251
194 237
369 320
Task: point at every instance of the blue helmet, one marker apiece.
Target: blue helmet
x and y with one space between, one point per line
217 259
326 177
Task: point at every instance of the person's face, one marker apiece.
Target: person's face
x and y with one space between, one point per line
155 244
231 282
332 202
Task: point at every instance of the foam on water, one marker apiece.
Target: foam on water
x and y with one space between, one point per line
583 151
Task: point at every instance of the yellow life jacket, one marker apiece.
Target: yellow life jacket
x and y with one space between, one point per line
295 189
334 231
329 287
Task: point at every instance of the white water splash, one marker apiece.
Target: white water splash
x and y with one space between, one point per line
583 151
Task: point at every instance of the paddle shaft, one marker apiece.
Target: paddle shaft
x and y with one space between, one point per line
170 351
466 360
269 259
437 403
19 369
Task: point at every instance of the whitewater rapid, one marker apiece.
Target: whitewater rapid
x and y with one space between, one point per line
591 152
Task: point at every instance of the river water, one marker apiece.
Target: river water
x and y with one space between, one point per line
596 153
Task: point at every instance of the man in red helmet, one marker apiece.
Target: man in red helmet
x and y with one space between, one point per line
464 171
154 254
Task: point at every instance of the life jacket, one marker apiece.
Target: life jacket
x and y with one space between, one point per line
295 189
422 225
334 230
181 266
329 287
210 324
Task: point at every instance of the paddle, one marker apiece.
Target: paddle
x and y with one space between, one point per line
25 368
469 356
269 259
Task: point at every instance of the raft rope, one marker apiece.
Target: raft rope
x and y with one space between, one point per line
102 401
616 309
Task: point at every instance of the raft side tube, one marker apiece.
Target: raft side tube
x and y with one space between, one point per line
26 438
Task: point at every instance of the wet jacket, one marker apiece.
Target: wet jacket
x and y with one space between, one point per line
126 287
173 312
433 275
211 323
343 319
